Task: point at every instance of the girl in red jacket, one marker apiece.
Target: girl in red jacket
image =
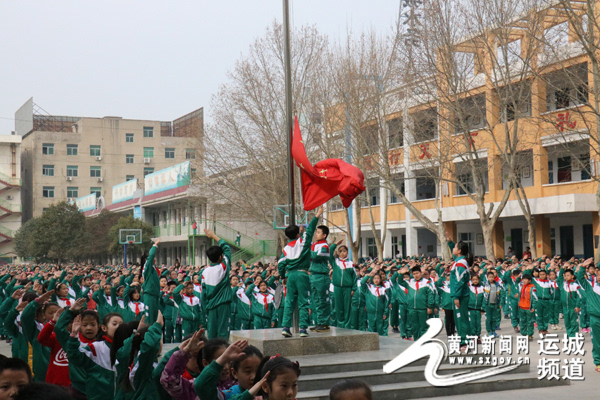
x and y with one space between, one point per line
58 367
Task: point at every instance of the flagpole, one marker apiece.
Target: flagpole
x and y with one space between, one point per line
289 126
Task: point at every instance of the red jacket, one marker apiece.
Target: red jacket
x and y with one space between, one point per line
58 367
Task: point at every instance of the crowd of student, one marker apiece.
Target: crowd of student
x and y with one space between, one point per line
98 331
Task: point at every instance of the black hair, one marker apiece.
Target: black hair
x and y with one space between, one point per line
30 296
324 229
250 351
490 273
464 251
42 390
41 310
134 290
108 317
569 270
526 276
342 246
542 270
15 364
169 283
516 272
123 332
416 268
276 366
292 231
347 385
210 348
136 344
214 253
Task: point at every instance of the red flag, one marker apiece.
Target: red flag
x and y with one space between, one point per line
327 178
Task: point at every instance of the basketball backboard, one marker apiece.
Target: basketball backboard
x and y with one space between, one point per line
130 236
281 216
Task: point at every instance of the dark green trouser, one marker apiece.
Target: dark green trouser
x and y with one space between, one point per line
298 293
178 336
343 307
492 318
394 315
584 318
362 318
595 325
555 310
168 330
218 321
261 323
151 311
475 322
571 323
280 312
376 322
418 322
526 322
514 311
403 321
247 324
461 319
189 326
542 314
319 287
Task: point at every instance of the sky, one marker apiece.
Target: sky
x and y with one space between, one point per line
154 60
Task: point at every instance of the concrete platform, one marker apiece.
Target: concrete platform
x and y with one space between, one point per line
338 340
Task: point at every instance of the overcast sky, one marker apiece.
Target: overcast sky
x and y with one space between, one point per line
150 59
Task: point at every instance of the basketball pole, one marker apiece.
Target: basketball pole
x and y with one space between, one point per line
125 255
289 126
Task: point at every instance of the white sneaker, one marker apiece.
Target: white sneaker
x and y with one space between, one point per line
553 327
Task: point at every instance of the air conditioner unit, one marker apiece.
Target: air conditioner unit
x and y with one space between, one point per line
99 179
69 178
70 200
98 158
147 160
9 197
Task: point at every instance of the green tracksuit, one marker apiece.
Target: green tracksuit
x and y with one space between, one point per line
591 291
320 281
402 300
512 294
77 373
418 300
555 305
446 302
476 300
167 304
216 295
143 365
206 384
344 285
570 299
377 301
263 308
157 372
295 264
12 324
459 290
493 293
151 288
31 330
244 310
189 311
102 303
545 291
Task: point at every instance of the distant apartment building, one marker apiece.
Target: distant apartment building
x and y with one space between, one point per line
10 195
67 157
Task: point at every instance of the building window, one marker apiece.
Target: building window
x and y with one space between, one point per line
129 159
370 137
95 151
467 238
371 247
48 148
193 173
470 114
71 149
72 192
169 152
48 191
464 174
148 170
129 177
523 169
426 184
395 133
190 154
567 88
95 172
72 171
398 182
425 125
515 101
48 170
569 162
129 138
148 152
96 190
395 249
148 131
374 191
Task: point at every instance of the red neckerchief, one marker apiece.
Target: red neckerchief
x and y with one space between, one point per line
569 286
265 298
417 285
85 340
137 307
66 299
107 339
312 247
187 375
378 295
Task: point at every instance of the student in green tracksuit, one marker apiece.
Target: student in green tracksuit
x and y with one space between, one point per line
555 304
402 299
12 323
294 266
419 301
233 283
570 299
319 278
544 288
244 310
459 287
263 307
511 279
446 302
189 308
591 291
216 292
167 304
151 287
492 299
344 285
103 300
377 302
476 300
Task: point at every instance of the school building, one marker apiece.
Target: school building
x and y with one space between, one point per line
558 159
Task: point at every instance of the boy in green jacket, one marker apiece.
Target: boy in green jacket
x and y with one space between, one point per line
570 299
216 291
344 284
189 308
420 299
319 278
492 300
476 299
591 291
294 266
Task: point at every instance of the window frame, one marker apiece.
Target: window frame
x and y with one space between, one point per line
74 192
148 152
94 147
48 149
129 136
170 151
47 170
147 170
48 192
72 168
129 159
188 153
71 147
93 169
148 131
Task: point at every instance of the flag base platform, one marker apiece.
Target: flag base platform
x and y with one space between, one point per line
337 340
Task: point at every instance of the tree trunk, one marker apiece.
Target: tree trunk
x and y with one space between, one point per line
488 228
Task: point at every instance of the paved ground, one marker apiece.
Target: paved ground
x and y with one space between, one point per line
589 388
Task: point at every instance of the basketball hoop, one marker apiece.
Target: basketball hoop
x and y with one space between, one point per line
131 242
